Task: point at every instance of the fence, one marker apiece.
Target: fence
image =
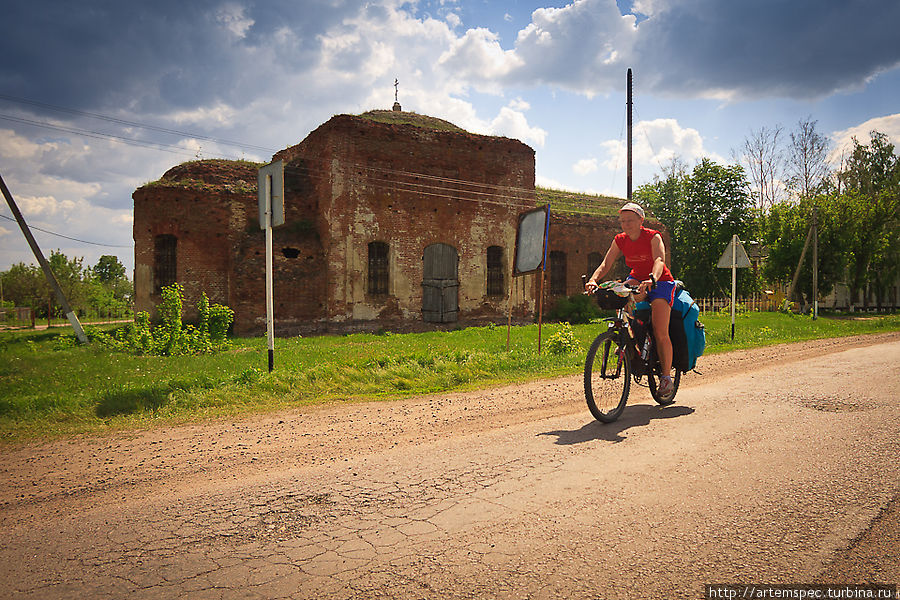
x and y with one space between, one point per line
757 302
25 317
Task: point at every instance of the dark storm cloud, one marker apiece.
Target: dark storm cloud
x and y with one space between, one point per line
157 56
799 49
698 48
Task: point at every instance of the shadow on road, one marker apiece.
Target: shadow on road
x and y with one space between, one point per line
634 416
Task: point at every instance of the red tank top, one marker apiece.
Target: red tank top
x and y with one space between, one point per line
639 255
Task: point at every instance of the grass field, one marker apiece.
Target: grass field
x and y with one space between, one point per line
49 388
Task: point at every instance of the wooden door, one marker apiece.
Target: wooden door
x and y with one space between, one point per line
440 284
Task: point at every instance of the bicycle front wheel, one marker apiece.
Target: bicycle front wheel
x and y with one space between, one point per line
607 378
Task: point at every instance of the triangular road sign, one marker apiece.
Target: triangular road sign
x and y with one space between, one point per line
742 261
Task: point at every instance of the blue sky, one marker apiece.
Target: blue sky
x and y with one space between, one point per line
262 74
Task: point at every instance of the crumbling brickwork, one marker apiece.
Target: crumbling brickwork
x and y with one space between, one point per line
366 204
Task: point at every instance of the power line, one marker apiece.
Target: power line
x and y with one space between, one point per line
67 237
99 135
118 121
442 187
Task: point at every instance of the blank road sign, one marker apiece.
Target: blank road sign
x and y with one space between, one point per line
742 261
530 241
271 178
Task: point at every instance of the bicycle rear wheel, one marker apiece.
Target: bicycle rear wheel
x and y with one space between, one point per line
607 378
653 383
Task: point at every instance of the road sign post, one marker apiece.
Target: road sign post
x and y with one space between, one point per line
734 258
271 214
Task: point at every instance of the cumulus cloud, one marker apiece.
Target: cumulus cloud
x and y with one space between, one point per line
585 166
232 16
267 73
547 182
17 147
514 124
842 141
656 143
691 48
479 57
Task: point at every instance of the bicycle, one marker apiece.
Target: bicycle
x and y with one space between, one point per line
625 351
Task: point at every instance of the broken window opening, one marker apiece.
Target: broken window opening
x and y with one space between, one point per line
558 273
165 261
378 269
494 271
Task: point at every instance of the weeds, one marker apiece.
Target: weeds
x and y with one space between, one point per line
50 386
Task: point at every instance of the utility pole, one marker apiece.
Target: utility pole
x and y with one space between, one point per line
48 272
629 104
815 265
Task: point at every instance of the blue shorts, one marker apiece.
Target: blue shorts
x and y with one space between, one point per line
664 290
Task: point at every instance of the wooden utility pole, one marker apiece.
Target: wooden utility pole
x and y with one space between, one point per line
48 272
790 293
815 265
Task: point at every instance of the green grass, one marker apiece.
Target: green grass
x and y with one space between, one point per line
49 388
578 203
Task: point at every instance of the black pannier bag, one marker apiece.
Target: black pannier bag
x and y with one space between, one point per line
609 300
685 330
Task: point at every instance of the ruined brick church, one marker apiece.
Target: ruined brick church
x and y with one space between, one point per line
393 220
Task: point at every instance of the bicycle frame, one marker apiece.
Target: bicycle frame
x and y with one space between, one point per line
633 359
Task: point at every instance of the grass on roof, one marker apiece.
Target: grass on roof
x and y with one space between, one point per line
392 117
578 203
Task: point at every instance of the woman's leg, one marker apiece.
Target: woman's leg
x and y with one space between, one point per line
660 314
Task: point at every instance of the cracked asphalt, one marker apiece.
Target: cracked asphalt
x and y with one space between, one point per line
778 465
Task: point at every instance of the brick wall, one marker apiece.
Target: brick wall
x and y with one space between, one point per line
580 235
351 182
402 185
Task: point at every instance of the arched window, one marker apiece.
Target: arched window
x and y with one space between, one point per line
378 268
558 273
165 261
494 271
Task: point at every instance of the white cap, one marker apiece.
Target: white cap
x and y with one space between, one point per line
633 208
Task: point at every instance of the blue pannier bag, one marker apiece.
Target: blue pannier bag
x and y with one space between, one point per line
694 332
685 330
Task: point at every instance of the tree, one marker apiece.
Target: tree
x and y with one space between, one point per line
784 230
702 211
807 165
108 269
763 156
25 285
110 274
870 216
69 274
104 288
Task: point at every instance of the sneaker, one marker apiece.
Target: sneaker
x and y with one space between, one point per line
666 387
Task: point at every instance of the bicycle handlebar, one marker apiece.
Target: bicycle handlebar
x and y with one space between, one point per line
617 287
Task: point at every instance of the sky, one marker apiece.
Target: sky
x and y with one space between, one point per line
98 98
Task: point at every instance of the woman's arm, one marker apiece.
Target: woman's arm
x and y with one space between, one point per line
612 255
658 247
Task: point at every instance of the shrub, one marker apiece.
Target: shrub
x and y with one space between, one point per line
578 309
563 341
171 337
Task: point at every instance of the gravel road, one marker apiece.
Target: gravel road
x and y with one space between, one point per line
778 465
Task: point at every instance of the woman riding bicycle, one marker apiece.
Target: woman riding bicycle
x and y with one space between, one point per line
645 253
